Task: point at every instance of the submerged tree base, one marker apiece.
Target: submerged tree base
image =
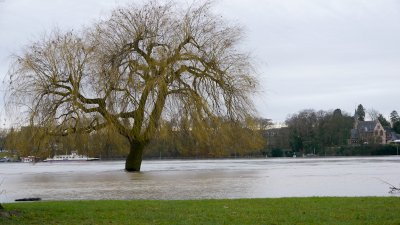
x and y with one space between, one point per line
134 159
132 165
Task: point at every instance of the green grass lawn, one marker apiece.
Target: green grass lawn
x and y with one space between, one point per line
375 210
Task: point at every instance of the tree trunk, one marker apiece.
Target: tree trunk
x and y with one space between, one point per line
134 159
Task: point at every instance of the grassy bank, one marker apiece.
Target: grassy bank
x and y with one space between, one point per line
242 211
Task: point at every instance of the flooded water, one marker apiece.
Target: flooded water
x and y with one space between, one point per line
201 179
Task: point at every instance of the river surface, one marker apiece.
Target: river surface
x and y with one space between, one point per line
201 179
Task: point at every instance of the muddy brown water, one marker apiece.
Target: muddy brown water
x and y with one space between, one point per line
201 179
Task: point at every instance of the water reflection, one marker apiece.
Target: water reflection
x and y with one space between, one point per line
198 179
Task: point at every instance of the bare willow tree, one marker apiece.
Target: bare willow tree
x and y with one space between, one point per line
144 63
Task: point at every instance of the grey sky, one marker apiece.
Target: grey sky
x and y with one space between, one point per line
320 54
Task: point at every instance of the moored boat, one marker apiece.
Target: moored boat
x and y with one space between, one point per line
72 157
29 159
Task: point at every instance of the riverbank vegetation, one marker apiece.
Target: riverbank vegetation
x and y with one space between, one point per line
360 210
225 138
308 133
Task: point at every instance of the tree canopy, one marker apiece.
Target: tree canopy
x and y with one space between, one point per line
360 113
394 117
310 131
383 121
144 63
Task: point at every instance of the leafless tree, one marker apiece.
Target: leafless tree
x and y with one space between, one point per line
373 114
146 62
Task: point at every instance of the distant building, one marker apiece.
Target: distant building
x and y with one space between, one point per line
368 132
391 136
277 138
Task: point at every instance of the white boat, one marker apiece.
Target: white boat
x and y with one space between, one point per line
72 157
28 159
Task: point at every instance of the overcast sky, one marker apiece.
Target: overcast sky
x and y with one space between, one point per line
319 54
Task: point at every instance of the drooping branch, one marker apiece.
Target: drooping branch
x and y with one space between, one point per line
392 188
133 69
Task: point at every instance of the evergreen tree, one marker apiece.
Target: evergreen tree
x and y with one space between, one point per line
383 121
396 127
394 117
360 113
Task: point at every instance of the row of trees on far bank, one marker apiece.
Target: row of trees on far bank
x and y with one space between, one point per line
174 139
306 132
311 131
327 133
